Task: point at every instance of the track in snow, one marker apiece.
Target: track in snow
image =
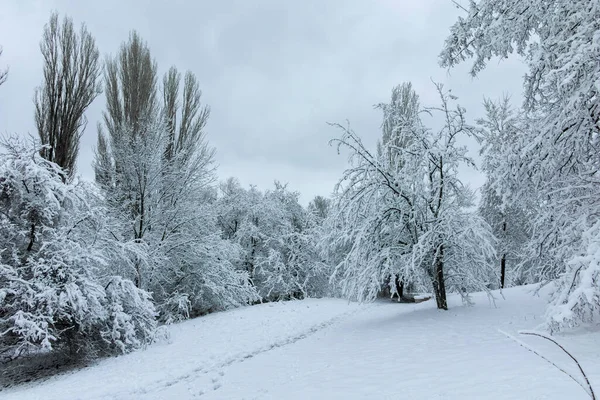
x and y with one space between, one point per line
334 350
215 372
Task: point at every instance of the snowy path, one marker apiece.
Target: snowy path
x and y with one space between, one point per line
328 349
389 353
196 354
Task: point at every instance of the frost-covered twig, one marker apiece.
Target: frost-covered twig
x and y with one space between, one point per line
588 390
591 391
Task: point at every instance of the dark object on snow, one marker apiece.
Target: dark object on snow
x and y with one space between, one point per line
402 298
412 299
399 295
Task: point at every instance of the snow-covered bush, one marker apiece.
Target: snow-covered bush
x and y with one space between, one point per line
131 321
577 298
53 259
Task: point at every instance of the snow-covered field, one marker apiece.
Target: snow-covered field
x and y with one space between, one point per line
330 349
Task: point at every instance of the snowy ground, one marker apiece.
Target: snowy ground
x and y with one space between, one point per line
329 349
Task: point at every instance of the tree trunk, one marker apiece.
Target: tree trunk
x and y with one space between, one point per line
31 238
502 270
503 260
439 285
399 286
138 274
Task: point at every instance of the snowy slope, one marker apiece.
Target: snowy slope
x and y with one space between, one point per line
329 349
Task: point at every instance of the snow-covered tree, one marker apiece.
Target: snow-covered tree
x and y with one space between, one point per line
54 256
319 208
292 266
277 241
510 227
558 154
70 84
156 169
403 211
509 216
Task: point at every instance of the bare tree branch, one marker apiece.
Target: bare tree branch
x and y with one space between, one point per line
70 84
3 73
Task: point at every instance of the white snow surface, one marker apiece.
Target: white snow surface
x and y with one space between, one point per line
332 349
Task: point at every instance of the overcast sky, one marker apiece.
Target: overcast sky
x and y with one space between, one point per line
274 72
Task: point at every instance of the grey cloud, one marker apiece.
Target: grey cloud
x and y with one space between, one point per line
274 72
